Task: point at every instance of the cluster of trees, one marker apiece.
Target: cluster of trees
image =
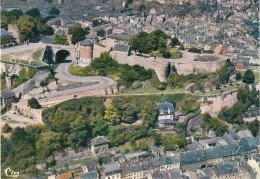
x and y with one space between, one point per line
48 55
78 33
225 72
30 25
148 42
212 123
73 123
245 98
106 66
249 77
194 50
23 76
60 39
33 103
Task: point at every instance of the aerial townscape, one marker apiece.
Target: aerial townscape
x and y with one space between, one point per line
130 89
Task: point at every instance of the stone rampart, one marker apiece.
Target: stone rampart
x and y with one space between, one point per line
35 114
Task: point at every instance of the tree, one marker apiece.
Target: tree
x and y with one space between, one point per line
79 132
249 77
194 50
171 142
27 28
54 11
61 40
47 143
238 75
175 42
149 113
4 23
224 75
101 127
34 12
33 103
254 127
14 14
6 128
111 115
174 69
129 113
48 55
77 32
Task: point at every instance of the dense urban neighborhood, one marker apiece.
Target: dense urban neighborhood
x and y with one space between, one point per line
130 89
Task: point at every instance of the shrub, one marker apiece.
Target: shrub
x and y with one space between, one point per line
33 103
6 128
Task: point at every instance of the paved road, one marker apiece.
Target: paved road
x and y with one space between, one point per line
64 75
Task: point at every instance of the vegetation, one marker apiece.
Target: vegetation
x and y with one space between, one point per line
106 66
254 127
24 75
54 11
61 40
47 80
148 42
34 12
238 75
249 77
212 123
175 42
225 72
245 98
48 55
6 128
78 33
33 103
188 104
194 50
169 141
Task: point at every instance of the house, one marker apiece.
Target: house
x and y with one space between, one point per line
155 151
169 163
111 171
6 37
89 167
166 114
250 147
7 97
132 172
120 52
226 170
99 145
244 134
192 159
90 175
213 156
92 37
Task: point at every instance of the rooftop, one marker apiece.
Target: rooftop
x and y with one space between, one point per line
121 48
100 140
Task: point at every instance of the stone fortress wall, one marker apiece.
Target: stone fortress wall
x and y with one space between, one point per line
186 65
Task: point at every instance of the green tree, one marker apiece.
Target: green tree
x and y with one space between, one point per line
238 75
27 28
4 23
47 143
129 113
79 132
224 75
249 77
111 115
149 113
48 55
77 32
61 40
254 127
54 11
6 128
175 42
174 69
34 12
194 50
171 142
33 103
14 14
101 127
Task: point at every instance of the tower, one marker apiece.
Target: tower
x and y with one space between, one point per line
85 52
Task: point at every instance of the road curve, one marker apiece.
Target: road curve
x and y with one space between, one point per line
64 75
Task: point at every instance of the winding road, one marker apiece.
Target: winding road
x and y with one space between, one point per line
64 75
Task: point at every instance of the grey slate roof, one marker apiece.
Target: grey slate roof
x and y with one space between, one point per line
192 157
5 33
213 153
111 168
6 93
91 166
175 174
166 122
225 168
121 48
91 36
86 42
100 140
90 175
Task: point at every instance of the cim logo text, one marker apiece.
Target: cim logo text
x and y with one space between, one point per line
10 173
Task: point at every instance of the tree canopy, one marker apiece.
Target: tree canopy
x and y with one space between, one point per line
54 11
77 32
60 39
27 28
33 103
34 12
249 77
